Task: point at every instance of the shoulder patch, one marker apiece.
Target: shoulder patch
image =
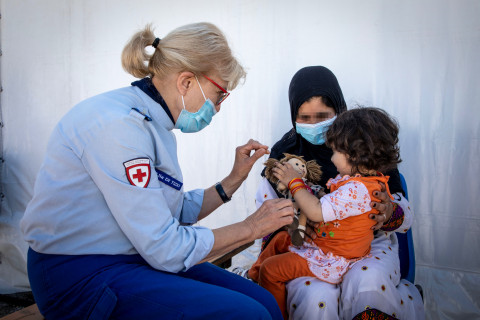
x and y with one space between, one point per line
138 172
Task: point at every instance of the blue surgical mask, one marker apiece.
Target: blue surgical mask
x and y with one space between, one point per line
314 133
193 122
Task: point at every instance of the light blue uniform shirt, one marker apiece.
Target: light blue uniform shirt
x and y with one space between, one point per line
85 203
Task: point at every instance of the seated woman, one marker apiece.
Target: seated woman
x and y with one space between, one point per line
374 284
110 226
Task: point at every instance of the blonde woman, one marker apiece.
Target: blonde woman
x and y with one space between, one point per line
110 226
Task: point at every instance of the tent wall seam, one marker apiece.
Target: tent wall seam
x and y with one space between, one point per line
2 159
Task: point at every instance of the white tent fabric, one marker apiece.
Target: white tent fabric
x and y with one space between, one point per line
419 60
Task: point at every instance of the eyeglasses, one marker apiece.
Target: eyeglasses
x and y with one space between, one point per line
222 96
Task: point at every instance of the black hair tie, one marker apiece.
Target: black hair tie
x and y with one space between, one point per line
156 42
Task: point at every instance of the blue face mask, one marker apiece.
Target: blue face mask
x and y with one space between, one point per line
193 122
314 133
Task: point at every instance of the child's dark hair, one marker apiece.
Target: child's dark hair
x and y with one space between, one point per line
369 138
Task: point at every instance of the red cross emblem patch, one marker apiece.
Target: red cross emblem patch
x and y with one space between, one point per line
138 172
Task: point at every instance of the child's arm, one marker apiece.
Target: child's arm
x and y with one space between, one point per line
308 203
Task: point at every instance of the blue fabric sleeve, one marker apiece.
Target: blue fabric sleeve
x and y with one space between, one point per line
192 204
146 216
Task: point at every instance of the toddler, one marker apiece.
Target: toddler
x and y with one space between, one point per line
365 144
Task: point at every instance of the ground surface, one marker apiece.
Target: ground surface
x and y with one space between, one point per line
10 303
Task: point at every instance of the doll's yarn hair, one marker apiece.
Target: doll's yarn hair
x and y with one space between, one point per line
314 171
368 137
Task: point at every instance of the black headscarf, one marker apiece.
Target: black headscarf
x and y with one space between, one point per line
311 82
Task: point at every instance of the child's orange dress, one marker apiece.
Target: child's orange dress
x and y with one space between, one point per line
342 239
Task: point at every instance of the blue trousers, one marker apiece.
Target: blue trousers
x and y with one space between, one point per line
126 287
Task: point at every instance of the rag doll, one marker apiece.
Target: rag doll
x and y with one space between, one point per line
309 171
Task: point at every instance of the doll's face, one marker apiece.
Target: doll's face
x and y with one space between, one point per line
299 166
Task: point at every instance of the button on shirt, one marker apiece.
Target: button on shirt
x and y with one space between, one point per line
84 202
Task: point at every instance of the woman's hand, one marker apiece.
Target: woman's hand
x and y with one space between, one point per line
311 228
241 167
272 215
384 206
244 161
285 172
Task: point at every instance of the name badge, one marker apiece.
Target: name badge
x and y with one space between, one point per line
169 181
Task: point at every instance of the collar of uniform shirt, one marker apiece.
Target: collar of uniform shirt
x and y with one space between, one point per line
147 86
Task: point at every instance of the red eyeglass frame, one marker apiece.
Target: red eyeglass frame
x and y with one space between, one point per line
225 92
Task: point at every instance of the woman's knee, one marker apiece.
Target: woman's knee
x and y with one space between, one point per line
370 277
253 311
263 306
310 298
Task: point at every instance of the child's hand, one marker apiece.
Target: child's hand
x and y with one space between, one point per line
285 173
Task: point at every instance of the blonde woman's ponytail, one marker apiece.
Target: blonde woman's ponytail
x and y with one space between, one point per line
200 48
135 58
